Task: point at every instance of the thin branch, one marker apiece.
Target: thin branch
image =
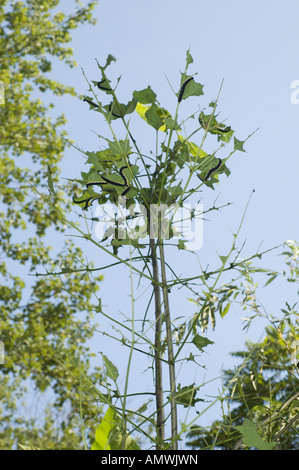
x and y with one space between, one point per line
171 362
158 363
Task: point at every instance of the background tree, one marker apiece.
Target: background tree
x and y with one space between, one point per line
43 325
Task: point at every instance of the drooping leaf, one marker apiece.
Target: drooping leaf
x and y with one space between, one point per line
271 279
251 438
111 369
108 435
186 395
103 431
201 342
153 117
157 117
225 310
50 181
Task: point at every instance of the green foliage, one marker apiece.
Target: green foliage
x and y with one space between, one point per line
122 170
261 395
43 321
251 438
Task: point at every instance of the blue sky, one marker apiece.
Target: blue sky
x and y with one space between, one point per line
254 48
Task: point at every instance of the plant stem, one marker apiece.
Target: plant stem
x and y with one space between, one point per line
171 364
158 362
124 420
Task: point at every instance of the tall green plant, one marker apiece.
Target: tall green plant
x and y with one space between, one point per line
145 193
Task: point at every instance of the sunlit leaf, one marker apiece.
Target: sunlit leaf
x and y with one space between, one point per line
108 435
225 310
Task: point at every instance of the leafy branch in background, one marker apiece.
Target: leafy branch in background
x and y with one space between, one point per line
43 321
262 402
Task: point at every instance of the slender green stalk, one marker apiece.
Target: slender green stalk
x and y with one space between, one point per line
171 362
124 420
158 362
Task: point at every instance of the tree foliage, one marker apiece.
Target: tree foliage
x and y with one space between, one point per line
43 322
265 394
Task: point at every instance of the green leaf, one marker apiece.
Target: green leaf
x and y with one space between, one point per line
271 279
116 110
201 342
146 96
98 158
120 148
210 124
153 118
251 438
104 85
157 117
109 59
108 435
186 395
189 58
189 87
223 258
127 241
111 369
238 145
181 245
103 432
226 309
50 181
